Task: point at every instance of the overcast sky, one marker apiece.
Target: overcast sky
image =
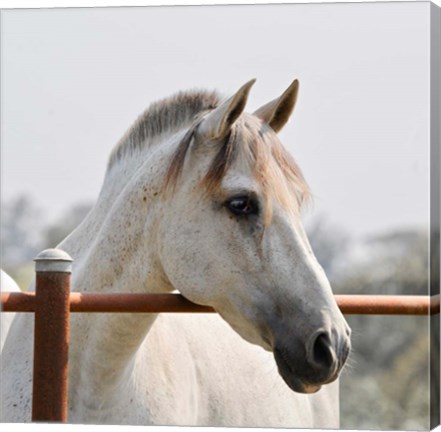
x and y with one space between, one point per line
74 80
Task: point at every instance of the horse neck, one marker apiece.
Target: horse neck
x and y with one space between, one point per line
110 255
109 247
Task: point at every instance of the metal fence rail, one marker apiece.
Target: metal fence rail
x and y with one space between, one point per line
176 303
53 302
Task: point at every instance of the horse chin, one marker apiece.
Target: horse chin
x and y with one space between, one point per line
299 386
305 388
291 378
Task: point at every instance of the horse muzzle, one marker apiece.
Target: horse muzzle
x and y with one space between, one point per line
305 367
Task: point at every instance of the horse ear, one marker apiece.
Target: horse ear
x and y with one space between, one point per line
218 123
277 112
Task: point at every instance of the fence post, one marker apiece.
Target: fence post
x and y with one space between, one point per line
51 338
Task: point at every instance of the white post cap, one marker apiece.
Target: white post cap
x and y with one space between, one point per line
55 260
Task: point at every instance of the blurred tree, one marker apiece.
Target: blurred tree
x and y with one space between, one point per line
328 242
21 225
59 230
393 263
389 386
386 382
24 235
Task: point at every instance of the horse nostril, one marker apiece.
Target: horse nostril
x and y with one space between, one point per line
322 352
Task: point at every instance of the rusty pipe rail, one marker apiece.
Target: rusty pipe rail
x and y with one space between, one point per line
176 303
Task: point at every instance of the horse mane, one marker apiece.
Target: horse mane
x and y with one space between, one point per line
163 117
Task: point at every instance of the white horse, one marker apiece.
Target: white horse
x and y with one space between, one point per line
7 284
199 197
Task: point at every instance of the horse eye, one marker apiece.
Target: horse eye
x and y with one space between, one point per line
242 205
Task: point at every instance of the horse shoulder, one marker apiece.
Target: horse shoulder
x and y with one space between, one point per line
16 370
7 284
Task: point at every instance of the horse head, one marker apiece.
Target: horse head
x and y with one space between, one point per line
231 237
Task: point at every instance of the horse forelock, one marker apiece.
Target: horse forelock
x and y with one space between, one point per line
271 165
